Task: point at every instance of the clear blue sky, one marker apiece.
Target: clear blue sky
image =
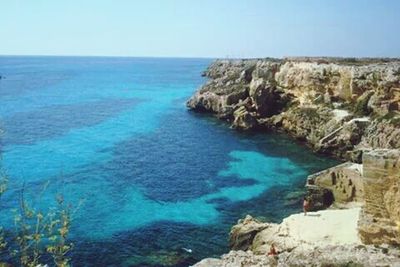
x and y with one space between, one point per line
200 28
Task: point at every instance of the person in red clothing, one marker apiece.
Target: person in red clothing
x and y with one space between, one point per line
272 250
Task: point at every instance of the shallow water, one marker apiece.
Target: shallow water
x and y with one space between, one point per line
152 177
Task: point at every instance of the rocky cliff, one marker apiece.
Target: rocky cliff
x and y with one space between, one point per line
326 238
331 256
348 108
334 105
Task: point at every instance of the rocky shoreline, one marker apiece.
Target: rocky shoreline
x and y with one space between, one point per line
343 107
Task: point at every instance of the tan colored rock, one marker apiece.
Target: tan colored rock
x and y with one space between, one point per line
324 102
345 181
305 93
380 220
243 119
383 133
332 256
320 228
242 234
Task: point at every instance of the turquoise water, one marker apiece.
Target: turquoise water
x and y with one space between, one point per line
152 178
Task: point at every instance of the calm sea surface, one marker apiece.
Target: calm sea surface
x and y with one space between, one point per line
149 178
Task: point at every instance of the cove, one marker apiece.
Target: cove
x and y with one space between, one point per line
113 134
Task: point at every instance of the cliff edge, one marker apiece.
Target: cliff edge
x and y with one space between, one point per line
334 105
347 108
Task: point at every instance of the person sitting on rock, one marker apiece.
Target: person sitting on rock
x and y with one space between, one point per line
272 250
306 205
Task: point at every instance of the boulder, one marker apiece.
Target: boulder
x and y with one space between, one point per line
243 119
242 234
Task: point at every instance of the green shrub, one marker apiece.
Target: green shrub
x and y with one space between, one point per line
37 234
391 118
361 108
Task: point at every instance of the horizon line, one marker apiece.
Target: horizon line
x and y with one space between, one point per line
201 57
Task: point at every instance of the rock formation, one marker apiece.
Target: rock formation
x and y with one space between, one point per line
326 238
340 184
334 105
297 230
380 219
347 108
332 256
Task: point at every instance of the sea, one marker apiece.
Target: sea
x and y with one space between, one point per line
150 183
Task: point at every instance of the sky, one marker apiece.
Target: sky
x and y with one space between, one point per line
201 28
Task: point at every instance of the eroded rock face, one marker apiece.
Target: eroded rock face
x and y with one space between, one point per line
380 220
349 108
228 86
333 256
325 238
316 229
304 96
243 119
340 184
243 233
383 133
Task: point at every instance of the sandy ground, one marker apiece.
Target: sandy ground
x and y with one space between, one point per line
325 227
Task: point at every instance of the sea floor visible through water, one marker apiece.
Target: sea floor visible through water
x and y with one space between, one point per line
150 179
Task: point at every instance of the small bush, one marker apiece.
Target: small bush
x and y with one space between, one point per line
38 235
391 118
361 108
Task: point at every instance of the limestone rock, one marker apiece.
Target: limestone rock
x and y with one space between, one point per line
243 119
242 234
333 256
348 108
239 259
380 220
307 123
340 184
383 133
301 96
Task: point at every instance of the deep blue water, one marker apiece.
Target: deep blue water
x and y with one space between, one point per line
152 177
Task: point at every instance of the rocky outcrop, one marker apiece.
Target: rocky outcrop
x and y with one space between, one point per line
380 220
349 108
226 90
243 119
340 185
242 234
332 256
322 101
325 238
316 229
382 133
